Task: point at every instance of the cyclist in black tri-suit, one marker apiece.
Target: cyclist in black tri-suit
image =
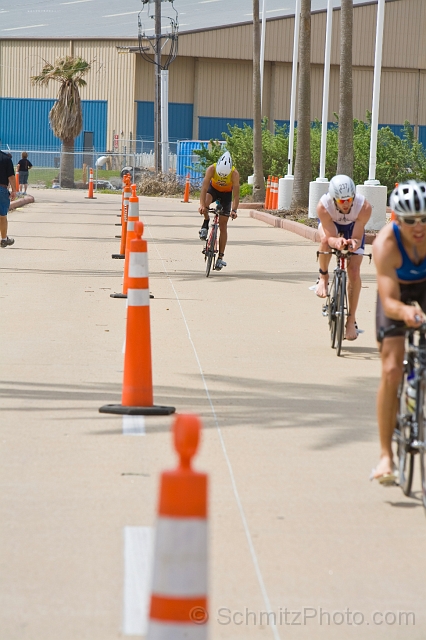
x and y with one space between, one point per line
221 183
399 252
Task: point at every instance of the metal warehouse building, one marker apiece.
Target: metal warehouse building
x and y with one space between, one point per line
211 79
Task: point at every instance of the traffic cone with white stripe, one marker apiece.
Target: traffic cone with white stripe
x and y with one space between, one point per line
132 217
90 195
178 608
137 393
124 215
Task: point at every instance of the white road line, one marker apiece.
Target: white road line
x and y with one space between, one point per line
133 426
225 453
138 555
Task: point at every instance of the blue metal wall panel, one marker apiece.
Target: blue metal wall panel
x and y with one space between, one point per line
145 120
422 135
24 124
180 121
212 128
186 159
397 129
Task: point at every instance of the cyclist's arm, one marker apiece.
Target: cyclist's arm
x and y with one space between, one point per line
359 226
235 192
329 228
387 259
204 187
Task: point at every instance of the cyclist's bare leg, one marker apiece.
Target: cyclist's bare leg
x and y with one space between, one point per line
354 289
392 356
323 261
223 226
209 200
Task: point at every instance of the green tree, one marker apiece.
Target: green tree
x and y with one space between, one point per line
302 165
66 117
258 178
345 162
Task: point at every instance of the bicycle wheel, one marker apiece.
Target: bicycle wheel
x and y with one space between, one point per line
404 423
331 304
210 250
421 436
340 311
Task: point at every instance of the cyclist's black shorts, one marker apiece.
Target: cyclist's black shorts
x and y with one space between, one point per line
412 292
224 197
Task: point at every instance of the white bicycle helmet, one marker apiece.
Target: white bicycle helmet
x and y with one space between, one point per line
341 187
224 165
408 198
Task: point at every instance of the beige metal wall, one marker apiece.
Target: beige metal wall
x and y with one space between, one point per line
111 78
214 70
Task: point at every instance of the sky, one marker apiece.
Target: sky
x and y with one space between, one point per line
113 19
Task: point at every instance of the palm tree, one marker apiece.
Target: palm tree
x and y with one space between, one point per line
66 117
345 158
302 165
258 177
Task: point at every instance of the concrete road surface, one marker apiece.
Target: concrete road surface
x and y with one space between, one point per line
296 528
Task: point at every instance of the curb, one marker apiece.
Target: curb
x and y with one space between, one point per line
251 205
296 227
20 202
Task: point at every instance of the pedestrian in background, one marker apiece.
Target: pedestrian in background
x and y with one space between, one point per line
7 177
24 165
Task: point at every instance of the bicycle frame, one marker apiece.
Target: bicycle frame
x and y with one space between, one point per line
410 428
336 306
211 248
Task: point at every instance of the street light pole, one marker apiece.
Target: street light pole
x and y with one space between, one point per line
157 96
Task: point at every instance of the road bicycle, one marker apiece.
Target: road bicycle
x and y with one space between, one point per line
211 248
409 434
336 305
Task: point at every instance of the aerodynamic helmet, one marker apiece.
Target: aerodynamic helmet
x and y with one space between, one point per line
224 165
408 198
341 187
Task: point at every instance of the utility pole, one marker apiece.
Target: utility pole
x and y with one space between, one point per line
153 49
157 96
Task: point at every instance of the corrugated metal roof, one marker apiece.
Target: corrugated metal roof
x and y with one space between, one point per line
110 19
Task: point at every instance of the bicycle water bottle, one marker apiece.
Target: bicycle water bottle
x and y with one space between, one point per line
410 394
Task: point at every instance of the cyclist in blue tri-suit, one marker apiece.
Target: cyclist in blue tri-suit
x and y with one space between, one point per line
399 252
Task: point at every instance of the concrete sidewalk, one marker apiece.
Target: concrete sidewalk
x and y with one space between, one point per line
289 439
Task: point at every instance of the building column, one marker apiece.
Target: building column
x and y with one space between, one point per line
195 99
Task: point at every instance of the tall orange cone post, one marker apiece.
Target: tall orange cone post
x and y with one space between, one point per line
187 187
132 217
90 195
124 215
268 191
18 188
137 393
178 607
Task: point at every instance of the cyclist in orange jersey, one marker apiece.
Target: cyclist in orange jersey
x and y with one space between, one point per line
221 183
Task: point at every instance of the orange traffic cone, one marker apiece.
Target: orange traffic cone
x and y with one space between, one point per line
272 196
137 393
124 215
132 217
268 191
187 187
178 607
18 188
90 195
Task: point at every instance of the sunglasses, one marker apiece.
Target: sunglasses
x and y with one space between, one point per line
411 221
343 200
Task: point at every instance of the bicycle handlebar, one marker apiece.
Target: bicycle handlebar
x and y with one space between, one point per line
344 253
383 332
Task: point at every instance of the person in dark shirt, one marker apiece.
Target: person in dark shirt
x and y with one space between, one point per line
24 165
7 177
